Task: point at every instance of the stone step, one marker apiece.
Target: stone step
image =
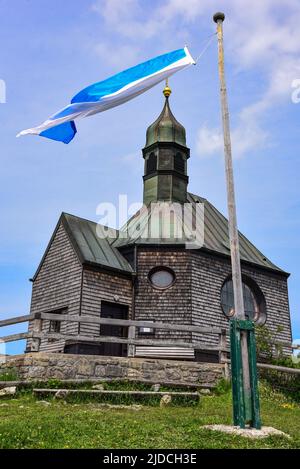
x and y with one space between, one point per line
95 392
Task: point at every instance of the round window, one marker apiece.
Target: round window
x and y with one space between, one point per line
254 302
162 277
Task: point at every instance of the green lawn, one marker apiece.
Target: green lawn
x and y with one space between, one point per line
24 423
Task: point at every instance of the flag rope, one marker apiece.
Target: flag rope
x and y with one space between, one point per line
207 44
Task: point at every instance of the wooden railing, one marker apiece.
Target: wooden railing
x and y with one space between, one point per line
37 333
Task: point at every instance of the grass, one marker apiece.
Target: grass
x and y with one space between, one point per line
9 375
113 399
25 423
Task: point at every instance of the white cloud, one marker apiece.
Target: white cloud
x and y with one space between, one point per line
258 37
246 136
126 18
263 41
209 141
116 58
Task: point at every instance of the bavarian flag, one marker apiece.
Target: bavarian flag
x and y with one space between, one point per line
111 92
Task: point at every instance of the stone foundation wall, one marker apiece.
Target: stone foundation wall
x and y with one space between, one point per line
42 365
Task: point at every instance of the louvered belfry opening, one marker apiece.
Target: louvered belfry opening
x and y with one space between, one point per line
151 164
179 163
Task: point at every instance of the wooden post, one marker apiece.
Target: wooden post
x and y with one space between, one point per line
222 353
131 335
222 344
232 218
37 327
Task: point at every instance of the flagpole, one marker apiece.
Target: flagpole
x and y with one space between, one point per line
232 218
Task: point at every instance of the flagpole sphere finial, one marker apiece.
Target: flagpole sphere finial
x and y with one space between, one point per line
167 90
218 16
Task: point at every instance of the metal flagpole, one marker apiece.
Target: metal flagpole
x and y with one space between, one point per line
233 231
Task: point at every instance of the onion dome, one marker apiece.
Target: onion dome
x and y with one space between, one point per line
166 128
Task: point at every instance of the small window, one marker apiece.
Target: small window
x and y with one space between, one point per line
151 165
54 326
162 277
179 164
254 302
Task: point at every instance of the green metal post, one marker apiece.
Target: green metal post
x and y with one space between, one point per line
246 408
256 422
237 375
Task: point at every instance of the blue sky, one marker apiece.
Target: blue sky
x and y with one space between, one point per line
51 50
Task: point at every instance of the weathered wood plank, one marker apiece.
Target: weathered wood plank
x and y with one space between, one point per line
14 337
193 395
279 368
126 322
272 367
16 320
76 381
137 341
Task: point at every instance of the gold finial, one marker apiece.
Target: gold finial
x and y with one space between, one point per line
167 90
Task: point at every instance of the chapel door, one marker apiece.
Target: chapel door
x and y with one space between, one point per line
113 311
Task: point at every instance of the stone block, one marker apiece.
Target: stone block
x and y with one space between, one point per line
86 368
100 371
165 400
37 372
55 373
115 371
8 391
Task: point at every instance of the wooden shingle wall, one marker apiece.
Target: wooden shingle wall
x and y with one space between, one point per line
57 285
208 275
171 305
100 286
195 297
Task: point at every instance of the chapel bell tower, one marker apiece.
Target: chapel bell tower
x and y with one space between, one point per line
165 154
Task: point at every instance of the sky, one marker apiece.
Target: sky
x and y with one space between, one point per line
51 50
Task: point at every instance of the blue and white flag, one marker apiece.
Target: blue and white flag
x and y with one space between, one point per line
111 92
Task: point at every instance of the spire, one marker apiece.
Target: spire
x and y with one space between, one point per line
166 128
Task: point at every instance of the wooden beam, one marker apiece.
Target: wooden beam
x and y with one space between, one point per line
16 320
76 381
14 337
127 323
193 395
284 369
123 340
279 368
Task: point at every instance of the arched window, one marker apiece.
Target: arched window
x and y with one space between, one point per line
254 302
179 164
151 165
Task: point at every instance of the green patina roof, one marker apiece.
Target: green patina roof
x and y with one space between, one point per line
92 244
166 128
98 245
93 241
215 233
